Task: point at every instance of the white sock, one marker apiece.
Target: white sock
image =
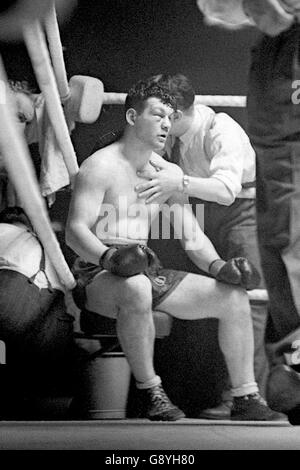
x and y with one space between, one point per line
149 383
245 389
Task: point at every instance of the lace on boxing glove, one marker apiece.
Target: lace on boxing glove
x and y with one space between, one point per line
104 258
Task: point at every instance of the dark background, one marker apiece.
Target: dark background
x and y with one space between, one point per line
119 42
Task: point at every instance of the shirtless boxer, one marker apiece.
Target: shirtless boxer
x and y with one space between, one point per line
108 228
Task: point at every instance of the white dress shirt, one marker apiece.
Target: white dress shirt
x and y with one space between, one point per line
21 251
216 146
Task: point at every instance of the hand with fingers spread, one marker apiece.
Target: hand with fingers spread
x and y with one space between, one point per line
165 180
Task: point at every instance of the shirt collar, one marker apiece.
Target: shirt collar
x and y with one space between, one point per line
187 137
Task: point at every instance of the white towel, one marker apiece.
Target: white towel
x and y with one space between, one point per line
54 174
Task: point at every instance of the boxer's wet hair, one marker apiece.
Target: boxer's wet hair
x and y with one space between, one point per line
179 86
14 214
149 88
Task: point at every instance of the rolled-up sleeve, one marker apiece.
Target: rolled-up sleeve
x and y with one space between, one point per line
229 13
227 146
270 16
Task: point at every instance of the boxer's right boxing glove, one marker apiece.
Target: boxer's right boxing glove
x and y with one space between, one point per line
125 261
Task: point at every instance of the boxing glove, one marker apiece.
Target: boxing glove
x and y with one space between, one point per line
126 261
237 271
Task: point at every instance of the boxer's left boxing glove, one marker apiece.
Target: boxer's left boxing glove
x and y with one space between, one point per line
125 261
239 271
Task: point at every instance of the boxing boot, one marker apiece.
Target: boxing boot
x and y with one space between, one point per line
253 407
156 405
220 412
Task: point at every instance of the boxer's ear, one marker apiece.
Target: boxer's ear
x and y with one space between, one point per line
131 116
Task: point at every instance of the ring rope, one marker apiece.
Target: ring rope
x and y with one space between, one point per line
37 48
209 100
55 88
222 100
56 53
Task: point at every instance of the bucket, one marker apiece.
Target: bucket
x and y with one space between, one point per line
107 386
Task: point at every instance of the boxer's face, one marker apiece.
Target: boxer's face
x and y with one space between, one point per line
153 123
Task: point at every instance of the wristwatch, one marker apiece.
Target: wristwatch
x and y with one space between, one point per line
185 183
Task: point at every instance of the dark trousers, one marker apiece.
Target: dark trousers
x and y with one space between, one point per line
233 232
33 320
38 335
274 129
232 229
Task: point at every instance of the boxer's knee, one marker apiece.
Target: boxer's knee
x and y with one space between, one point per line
136 293
238 305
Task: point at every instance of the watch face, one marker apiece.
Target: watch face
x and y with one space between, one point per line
185 182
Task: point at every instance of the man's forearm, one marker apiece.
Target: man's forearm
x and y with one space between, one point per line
270 16
209 189
193 240
83 242
202 252
229 13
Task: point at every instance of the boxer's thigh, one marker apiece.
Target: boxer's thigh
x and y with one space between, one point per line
198 297
107 293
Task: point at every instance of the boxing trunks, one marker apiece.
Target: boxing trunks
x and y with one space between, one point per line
163 281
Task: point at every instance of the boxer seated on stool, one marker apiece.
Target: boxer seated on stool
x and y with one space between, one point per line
108 228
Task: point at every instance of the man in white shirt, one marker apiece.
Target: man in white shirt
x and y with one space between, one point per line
273 118
272 17
217 169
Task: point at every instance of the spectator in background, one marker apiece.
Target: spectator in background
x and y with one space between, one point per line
33 321
273 116
25 99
